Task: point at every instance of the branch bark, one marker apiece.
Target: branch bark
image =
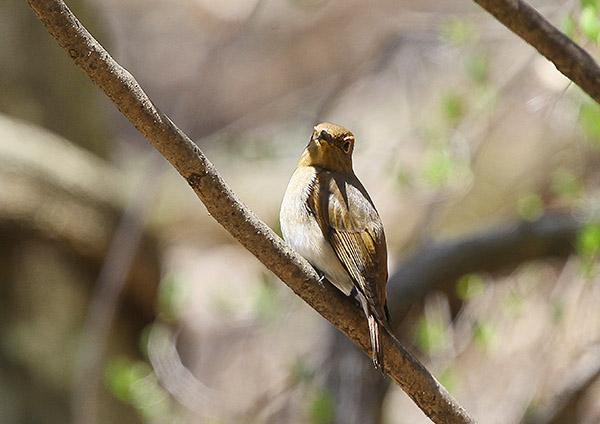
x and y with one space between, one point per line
568 57
124 91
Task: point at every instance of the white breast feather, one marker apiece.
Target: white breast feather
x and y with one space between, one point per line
302 232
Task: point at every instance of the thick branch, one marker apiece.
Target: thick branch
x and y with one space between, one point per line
569 58
236 217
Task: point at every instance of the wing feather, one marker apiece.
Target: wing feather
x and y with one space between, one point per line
352 226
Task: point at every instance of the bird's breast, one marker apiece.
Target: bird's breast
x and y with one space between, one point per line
301 230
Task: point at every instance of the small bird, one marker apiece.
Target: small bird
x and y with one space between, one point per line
328 217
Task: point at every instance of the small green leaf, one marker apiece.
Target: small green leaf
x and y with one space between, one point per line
589 119
514 304
530 207
484 335
300 371
321 407
438 166
458 31
402 179
558 311
588 240
588 22
478 67
469 286
431 335
566 185
121 373
171 295
589 4
588 248
453 107
265 303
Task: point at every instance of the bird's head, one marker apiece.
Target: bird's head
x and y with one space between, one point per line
330 147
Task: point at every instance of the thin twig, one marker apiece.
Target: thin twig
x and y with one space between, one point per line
233 215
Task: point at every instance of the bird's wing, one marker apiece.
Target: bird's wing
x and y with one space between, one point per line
352 226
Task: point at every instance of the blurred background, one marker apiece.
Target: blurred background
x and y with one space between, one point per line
123 301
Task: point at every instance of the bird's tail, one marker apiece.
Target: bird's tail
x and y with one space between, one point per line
376 347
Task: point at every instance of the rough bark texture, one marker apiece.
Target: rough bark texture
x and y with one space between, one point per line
232 214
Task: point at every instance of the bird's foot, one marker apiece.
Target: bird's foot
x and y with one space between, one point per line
321 276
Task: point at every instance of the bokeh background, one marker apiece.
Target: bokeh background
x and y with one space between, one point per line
123 301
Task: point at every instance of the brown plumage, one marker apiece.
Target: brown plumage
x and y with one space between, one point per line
329 218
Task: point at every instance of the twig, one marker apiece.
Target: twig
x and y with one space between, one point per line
568 57
233 215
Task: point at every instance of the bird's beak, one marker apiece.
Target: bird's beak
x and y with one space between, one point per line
322 137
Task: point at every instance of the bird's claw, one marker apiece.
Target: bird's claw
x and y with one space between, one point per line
321 276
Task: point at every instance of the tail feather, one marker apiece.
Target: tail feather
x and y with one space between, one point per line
376 347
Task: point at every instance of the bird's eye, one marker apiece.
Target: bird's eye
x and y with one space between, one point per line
346 146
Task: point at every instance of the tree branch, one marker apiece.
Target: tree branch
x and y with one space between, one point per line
568 57
233 215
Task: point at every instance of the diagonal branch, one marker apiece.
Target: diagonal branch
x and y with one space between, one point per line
568 57
233 215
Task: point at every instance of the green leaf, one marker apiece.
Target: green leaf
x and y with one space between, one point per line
438 166
588 240
478 67
453 107
566 185
530 207
458 31
431 335
587 246
300 371
589 119
469 286
265 302
171 295
403 179
321 407
589 4
121 373
514 304
484 335
588 22
557 308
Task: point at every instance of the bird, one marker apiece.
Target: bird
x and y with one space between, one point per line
328 217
